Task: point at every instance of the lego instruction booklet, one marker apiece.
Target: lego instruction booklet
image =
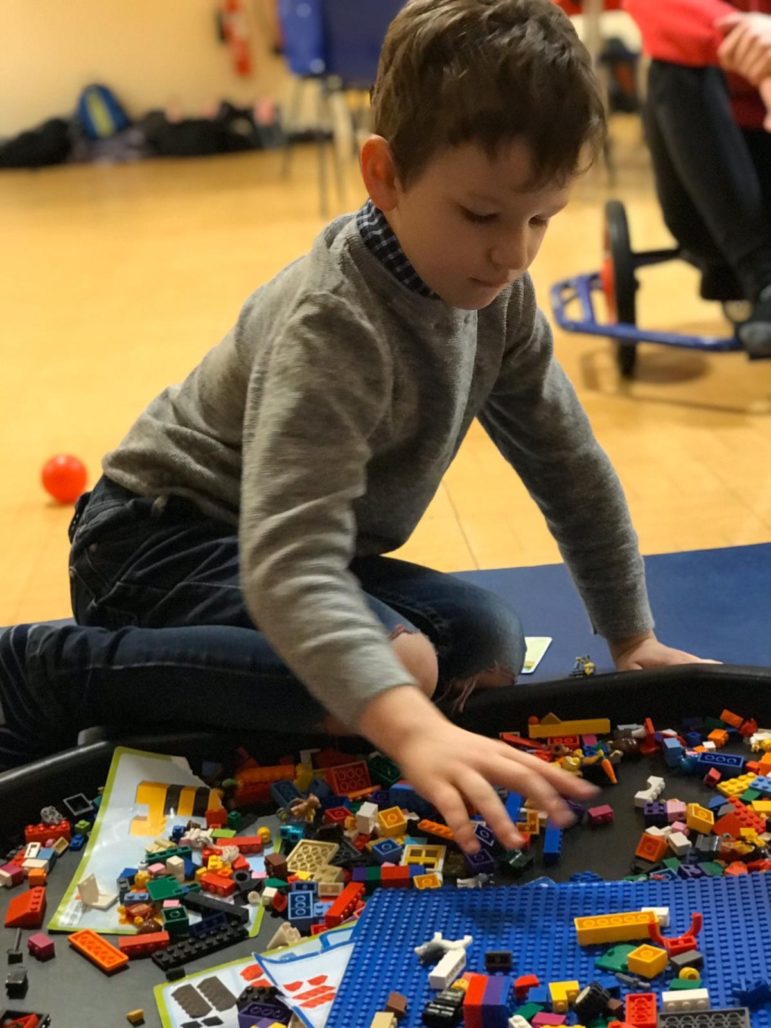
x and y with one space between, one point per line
308 975
146 796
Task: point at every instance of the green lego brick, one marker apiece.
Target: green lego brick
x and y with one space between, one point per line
383 770
235 820
614 959
164 888
529 1010
223 833
749 795
679 984
712 868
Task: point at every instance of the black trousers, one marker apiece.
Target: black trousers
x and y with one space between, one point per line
713 179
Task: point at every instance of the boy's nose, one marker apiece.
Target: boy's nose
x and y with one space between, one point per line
510 256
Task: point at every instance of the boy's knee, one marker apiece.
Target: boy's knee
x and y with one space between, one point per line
418 656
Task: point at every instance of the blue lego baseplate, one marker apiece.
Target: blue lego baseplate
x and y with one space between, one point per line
535 922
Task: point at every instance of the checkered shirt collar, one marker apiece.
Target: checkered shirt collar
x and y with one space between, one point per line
379 237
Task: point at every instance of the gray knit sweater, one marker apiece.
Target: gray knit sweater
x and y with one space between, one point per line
322 425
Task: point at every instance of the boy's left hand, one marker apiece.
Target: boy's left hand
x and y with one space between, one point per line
645 651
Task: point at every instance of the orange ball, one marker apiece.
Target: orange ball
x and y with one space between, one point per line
64 477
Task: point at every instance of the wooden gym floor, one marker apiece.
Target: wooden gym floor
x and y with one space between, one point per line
114 281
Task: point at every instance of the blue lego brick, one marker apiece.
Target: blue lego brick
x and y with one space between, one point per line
673 751
301 910
484 835
728 764
77 842
513 804
762 784
387 851
284 792
541 922
552 843
481 862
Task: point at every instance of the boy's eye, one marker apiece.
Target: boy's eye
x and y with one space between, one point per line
477 219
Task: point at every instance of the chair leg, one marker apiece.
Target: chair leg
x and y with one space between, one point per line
294 113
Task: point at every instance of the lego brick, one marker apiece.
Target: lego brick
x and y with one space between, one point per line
735 1017
96 949
613 927
27 910
551 727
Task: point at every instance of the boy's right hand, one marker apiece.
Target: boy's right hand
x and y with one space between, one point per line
456 770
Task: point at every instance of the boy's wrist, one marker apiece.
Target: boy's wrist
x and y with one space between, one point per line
396 716
618 647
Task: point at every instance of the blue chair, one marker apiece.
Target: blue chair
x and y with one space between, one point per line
336 44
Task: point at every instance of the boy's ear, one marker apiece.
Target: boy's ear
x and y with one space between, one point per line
379 172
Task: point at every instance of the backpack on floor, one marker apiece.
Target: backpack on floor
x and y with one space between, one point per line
100 113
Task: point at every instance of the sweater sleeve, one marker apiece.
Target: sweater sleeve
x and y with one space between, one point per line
680 31
315 398
534 418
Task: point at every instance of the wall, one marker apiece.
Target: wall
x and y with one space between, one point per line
153 53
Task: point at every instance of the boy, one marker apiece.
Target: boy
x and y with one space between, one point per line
264 490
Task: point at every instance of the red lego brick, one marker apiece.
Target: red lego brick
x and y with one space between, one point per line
348 778
640 1009
344 904
216 818
395 877
247 843
473 1010
134 946
524 984
748 817
27 910
43 832
217 884
749 728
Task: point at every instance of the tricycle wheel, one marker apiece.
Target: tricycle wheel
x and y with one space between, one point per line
618 280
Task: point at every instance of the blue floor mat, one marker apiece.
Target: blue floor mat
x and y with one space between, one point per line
716 603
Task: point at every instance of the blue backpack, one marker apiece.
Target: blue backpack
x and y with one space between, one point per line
100 113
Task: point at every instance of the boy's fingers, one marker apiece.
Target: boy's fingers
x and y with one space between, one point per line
450 805
485 800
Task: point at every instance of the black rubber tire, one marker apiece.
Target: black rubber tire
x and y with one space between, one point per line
618 247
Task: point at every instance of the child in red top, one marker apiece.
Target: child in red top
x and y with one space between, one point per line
713 161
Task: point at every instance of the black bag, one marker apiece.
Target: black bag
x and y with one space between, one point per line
50 143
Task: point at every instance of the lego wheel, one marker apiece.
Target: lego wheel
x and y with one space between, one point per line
618 280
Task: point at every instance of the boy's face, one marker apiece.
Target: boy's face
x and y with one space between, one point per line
471 225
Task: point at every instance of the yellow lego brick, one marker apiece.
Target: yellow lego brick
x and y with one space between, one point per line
562 995
762 807
613 927
383 1020
699 819
391 822
531 823
310 855
647 961
430 857
432 880
736 786
550 727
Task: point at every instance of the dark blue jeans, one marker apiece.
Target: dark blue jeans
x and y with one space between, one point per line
163 634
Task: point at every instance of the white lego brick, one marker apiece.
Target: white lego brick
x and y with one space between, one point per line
448 969
685 999
679 844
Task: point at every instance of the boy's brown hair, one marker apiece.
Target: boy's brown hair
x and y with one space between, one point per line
488 71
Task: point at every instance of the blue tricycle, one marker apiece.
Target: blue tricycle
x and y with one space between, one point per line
617 280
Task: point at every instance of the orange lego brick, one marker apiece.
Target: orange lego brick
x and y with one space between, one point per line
435 828
551 726
100 952
731 719
719 736
27 910
652 847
